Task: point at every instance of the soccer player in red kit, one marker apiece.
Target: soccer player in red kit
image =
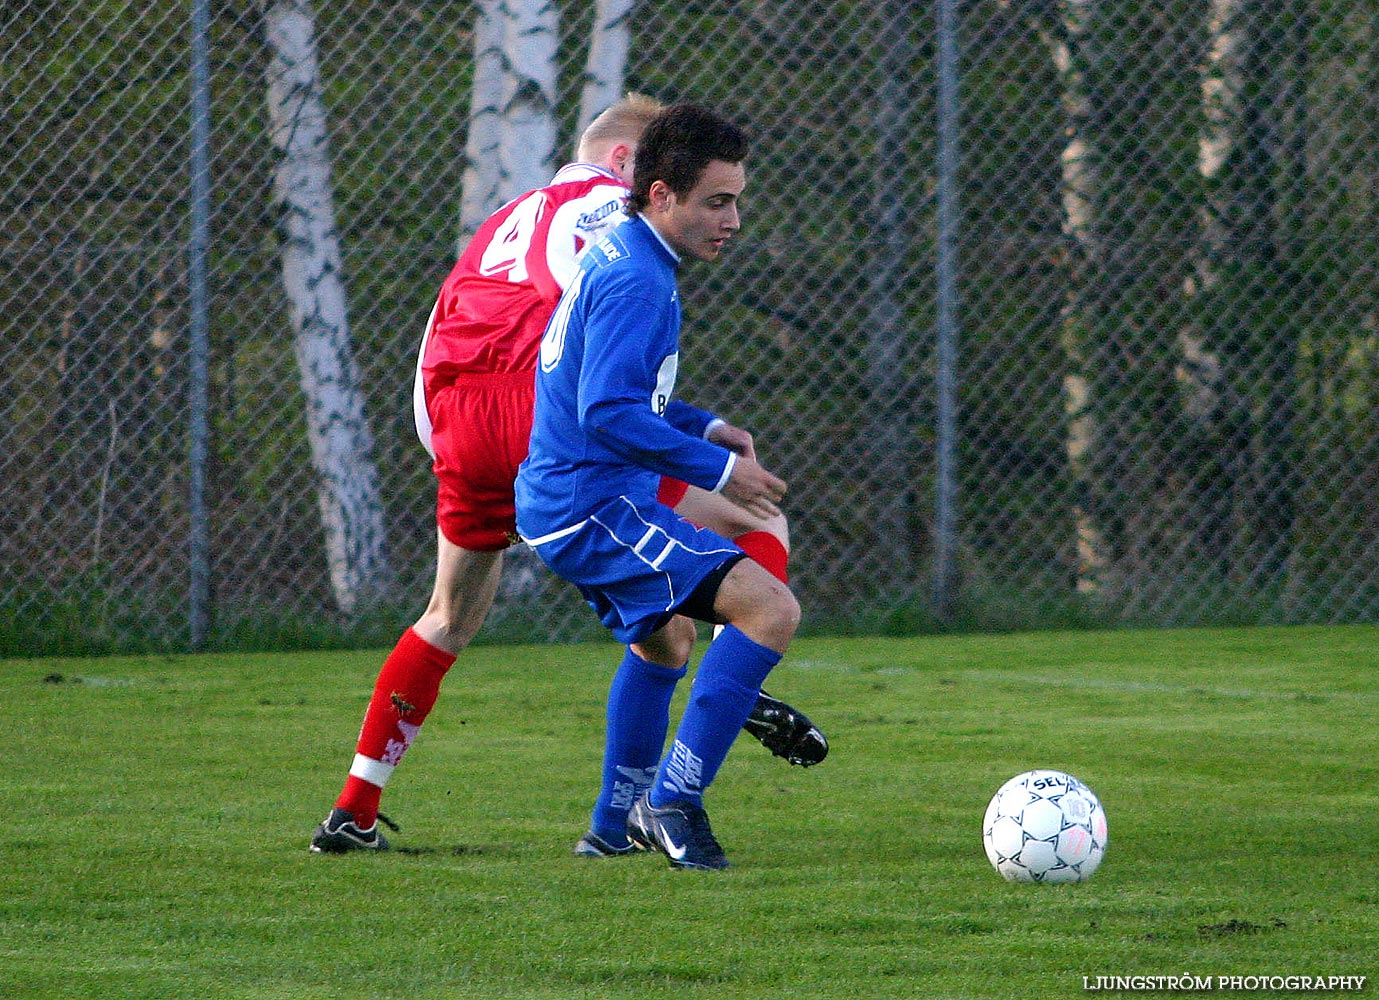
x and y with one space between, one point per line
473 401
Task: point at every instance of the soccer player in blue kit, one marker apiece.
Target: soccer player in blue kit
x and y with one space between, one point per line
606 430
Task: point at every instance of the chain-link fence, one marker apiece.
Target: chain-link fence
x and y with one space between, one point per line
1049 311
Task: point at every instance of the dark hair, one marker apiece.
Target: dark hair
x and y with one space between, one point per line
677 146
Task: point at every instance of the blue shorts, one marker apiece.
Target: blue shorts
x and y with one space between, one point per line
634 564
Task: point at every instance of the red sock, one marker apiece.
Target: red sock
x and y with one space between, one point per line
766 550
403 696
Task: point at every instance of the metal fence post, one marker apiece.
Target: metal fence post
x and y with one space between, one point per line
945 348
198 531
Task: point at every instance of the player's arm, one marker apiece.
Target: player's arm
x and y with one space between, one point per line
749 485
733 438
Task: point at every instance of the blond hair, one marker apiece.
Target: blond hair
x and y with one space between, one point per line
624 121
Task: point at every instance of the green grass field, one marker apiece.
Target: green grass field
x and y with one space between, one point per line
157 812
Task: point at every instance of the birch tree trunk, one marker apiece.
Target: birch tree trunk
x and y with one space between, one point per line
1212 411
1222 86
1240 358
528 135
482 172
341 445
1200 371
606 65
1069 43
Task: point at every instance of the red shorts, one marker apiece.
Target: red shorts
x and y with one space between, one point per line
480 430
481 425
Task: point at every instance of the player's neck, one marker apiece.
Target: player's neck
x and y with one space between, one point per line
651 224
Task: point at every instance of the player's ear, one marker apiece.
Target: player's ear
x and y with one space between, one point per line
621 159
659 196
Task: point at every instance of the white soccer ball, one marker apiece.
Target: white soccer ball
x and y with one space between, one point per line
1045 826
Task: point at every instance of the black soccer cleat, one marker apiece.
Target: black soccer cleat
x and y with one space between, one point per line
338 834
591 845
786 732
679 830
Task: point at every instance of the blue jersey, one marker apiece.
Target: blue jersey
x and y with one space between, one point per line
605 425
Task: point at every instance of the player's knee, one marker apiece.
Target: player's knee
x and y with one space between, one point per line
453 623
772 616
671 645
680 636
444 632
784 610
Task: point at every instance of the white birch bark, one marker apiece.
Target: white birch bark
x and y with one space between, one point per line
528 136
605 69
483 185
1200 371
341 445
1080 182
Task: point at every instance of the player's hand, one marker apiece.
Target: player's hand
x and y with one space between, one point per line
734 439
751 487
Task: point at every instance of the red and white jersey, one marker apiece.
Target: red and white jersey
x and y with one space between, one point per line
493 307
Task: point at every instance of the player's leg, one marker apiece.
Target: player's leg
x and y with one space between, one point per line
761 616
407 687
781 728
627 559
466 582
479 438
765 540
638 718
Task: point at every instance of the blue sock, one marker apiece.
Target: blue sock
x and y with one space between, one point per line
725 689
638 719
